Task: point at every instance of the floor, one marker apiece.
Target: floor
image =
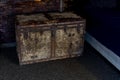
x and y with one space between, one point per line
90 66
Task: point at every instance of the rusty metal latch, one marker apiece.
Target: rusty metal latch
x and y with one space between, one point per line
78 28
53 30
65 29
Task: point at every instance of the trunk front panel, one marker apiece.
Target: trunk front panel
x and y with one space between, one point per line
35 45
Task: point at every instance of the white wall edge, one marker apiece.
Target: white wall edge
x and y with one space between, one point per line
7 45
104 51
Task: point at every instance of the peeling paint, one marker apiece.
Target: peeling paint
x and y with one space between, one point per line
49 42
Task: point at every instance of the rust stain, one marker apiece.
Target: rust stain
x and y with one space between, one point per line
36 46
67 44
49 42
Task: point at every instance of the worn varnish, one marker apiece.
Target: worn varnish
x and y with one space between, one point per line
68 43
29 6
43 37
31 19
35 45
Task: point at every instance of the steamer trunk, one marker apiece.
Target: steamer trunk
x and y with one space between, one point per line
50 38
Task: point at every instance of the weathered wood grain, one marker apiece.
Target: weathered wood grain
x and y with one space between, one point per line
68 42
31 19
36 6
35 45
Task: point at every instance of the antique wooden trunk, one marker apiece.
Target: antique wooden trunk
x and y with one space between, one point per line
43 37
